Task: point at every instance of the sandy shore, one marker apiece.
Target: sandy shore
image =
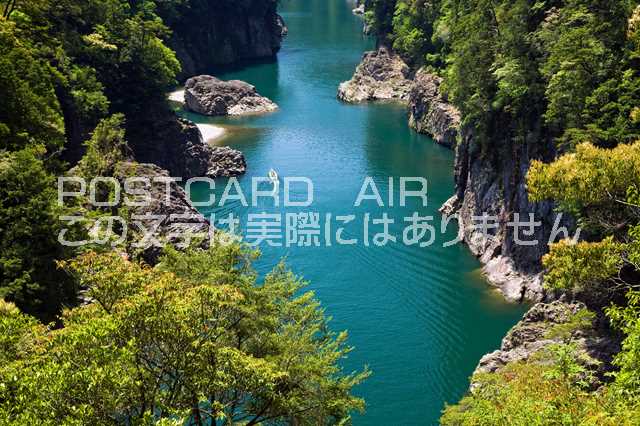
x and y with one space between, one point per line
210 132
176 96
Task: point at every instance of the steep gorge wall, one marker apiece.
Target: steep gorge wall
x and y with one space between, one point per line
491 180
490 177
208 33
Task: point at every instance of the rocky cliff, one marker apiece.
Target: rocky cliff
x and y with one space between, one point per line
547 324
491 182
207 34
381 76
488 181
169 216
176 144
430 112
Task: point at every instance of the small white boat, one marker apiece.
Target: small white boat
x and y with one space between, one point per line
273 175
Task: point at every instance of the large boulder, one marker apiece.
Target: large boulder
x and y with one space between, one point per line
381 76
429 111
208 95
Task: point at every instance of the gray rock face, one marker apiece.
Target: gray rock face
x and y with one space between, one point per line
493 183
186 155
490 182
208 95
381 76
225 162
429 111
235 30
514 286
169 212
531 335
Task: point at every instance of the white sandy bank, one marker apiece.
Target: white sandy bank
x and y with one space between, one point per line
176 96
210 132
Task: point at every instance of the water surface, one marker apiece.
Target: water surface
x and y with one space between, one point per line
420 318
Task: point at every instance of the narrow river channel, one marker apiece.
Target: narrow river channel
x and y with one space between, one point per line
420 318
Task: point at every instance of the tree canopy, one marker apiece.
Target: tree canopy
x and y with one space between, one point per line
194 339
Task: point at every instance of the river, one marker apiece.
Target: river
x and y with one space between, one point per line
420 318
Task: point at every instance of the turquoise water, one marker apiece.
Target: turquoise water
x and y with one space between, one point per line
420 318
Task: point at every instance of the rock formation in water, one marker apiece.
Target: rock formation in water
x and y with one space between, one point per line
535 332
429 111
208 95
381 76
208 33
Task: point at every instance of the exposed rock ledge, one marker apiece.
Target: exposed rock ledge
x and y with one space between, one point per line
531 335
381 76
429 111
196 158
493 184
500 271
208 95
168 207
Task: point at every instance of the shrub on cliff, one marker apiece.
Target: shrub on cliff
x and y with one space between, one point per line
538 394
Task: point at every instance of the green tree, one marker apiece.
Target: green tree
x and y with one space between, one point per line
106 148
29 229
194 339
29 111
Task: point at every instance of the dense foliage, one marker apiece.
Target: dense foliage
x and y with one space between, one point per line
195 338
64 67
29 226
539 394
566 70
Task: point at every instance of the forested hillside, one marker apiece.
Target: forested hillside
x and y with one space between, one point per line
549 93
64 67
83 83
